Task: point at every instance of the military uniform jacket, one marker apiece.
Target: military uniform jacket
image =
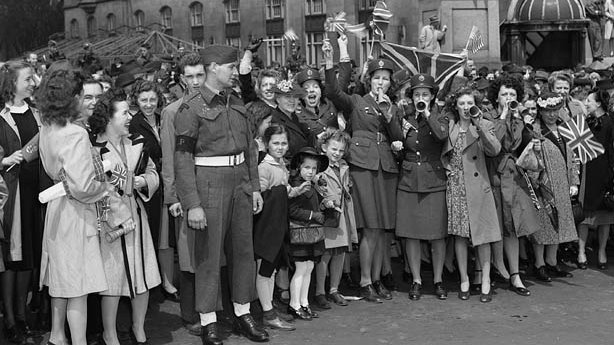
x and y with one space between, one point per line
318 123
209 124
422 170
371 133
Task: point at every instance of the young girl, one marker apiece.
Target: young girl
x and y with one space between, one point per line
305 209
270 226
336 194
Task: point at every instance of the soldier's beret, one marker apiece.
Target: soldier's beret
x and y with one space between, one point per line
219 54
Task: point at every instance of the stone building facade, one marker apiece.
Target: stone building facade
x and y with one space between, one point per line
234 22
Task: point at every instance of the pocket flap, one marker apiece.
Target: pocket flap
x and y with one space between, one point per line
361 142
210 114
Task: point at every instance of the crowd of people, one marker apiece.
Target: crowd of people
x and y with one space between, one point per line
279 175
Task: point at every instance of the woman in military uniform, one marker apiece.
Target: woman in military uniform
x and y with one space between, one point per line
375 124
421 194
315 111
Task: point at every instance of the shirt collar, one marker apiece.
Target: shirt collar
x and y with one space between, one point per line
209 93
269 159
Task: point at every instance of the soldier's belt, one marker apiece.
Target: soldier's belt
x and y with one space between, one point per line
220 161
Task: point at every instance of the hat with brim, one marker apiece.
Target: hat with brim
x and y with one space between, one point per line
311 153
550 101
378 64
422 80
308 74
541 75
288 88
434 20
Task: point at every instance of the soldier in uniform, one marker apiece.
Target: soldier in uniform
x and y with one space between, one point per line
216 178
316 112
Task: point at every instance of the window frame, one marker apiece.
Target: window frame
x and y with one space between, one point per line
367 4
270 6
313 48
74 28
196 17
139 20
310 7
91 26
232 7
163 11
230 41
277 45
111 22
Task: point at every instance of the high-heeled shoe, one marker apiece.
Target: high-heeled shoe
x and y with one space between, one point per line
486 297
582 264
602 265
519 290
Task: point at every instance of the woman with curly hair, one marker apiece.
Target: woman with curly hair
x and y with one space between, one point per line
19 123
71 263
471 205
128 255
515 209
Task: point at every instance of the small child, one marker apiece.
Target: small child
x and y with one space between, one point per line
335 191
270 226
305 209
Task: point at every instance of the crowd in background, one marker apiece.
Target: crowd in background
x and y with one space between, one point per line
282 174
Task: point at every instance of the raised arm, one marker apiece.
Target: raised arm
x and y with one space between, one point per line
340 99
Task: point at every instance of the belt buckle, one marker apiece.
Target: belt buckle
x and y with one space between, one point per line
234 160
379 137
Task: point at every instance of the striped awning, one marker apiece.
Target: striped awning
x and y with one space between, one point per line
549 11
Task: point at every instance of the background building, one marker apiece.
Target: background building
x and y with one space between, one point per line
235 22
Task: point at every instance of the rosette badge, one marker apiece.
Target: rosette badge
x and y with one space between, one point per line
288 88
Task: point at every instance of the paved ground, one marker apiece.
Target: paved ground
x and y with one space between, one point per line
579 310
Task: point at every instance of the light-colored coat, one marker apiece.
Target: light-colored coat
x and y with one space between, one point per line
71 263
136 245
335 188
480 141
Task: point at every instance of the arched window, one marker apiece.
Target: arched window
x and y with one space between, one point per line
232 11
74 28
166 14
139 19
110 22
91 26
196 14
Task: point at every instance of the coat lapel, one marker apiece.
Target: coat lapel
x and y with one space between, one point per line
6 115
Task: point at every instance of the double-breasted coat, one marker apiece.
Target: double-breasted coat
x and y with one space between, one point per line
326 117
130 262
480 141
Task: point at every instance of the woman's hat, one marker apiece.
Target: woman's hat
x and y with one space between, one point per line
422 80
434 19
376 64
288 88
312 153
308 74
550 101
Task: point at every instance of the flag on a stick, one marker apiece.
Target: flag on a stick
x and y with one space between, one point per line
381 18
581 139
290 35
476 41
442 67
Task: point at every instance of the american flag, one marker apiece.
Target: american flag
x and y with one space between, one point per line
476 41
581 139
442 67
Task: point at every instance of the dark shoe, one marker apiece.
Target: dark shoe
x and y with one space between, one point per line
23 327
517 289
440 292
246 326
210 335
368 293
299 314
381 290
557 272
276 323
542 274
524 265
464 295
486 297
173 297
13 335
389 283
311 313
338 299
346 279
582 265
415 291
602 265
193 328
321 302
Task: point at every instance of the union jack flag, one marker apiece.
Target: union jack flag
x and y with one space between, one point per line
119 176
442 67
581 139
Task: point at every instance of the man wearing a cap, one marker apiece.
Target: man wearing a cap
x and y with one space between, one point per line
431 35
216 178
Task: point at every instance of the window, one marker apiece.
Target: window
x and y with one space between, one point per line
315 7
314 48
365 47
196 14
111 22
198 42
91 27
139 19
74 28
276 50
367 4
232 11
234 42
166 15
274 9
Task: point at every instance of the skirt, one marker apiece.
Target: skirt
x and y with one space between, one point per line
306 252
599 217
422 216
374 195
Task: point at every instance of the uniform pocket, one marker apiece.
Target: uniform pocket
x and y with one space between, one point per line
210 114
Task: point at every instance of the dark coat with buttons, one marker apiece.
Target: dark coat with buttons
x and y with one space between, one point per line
422 170
318 123
298 134
480 142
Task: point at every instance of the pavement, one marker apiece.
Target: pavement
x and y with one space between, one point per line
578 310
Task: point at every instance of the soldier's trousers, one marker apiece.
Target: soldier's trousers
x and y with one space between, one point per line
226 196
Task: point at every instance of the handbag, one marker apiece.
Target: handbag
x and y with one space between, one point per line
308 233
577 209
